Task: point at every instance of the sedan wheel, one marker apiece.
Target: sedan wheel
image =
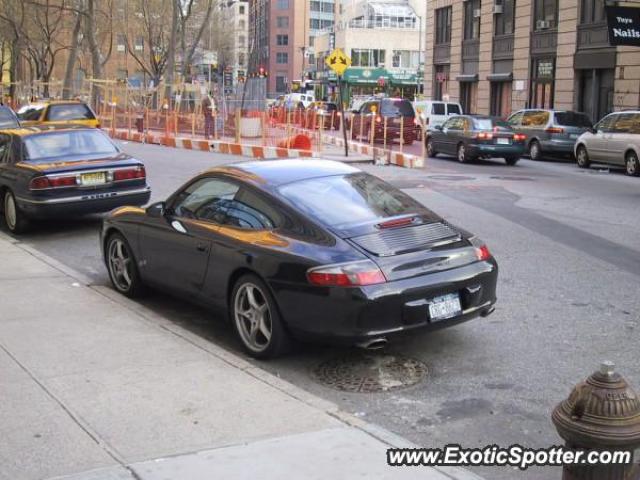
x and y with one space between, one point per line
462 153
582 157
633 166
14 218
256 319
122 267
431 152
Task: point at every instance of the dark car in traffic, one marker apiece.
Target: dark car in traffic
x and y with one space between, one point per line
49 172
470 137
307 249
550 132
384 120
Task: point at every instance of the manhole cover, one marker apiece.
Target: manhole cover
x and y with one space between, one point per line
451 178
370 372
515 179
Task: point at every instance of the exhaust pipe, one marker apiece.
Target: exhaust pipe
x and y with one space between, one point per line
373 344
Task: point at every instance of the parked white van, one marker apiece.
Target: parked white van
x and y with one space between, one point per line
433 113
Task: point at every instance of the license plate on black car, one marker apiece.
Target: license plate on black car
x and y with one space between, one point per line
444 307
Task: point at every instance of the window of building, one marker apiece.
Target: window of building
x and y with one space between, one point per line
282 22
405 59
472 20
320 24
282 40
595 92
468 96
282 4
592 11
440 82
241 24
367 57
241 59
542 83
312 41
545 14
241 40
241 10
505 21
138 44
281 83
501 99
121 43
443 25
282 58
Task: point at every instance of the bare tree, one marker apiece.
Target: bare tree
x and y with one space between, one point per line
100 51
188 43
67 88
13 18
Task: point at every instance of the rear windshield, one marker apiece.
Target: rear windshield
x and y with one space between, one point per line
572 119
341 201
397 108
73 146
483 123
30 112
76 111
7 118
454 109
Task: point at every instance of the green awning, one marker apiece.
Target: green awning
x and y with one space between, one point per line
403 78
365 76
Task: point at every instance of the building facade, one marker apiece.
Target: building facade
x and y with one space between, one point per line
498 56
384 39
282 35
235 15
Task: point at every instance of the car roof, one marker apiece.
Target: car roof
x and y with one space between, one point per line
42 129
274 173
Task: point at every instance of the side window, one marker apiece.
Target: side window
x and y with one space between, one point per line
365 108
535 119
623 123
455 123
438 109
205 199
5 147
516 119
606 124
30 113
453 109
250 211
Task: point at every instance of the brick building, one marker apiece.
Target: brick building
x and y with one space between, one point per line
497 56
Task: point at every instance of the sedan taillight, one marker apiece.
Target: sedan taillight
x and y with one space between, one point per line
44 182
519 137
354 274
129 174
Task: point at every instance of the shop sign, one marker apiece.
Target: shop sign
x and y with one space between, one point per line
624 25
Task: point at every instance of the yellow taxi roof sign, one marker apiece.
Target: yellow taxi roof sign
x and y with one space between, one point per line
338 61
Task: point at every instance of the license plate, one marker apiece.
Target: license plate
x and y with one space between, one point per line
97 178
573 136
447 306
504 141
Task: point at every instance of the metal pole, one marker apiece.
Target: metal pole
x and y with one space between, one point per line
419 55
344 124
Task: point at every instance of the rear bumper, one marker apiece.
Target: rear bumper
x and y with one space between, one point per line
39 208
500 151
349 316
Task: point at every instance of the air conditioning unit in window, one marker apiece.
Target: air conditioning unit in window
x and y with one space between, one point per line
498 7
543 25
476 13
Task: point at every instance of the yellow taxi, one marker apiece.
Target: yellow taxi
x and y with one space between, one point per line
58 112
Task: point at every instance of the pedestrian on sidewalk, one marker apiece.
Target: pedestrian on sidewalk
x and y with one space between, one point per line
208 109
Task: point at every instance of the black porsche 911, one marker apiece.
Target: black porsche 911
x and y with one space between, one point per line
304 249
51 172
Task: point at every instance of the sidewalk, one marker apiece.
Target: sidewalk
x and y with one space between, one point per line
96 387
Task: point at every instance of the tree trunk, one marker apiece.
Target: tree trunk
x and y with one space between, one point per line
96 64
67 86
171 53
188 54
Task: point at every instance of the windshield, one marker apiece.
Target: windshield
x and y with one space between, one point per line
572 119
341 201
397 108
7 119
72 145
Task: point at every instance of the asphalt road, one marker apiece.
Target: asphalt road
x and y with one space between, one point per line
568 244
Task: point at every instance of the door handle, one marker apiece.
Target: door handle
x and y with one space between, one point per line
202 247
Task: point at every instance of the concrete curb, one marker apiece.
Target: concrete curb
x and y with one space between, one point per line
161 322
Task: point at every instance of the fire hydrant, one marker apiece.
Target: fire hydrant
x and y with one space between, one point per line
601 414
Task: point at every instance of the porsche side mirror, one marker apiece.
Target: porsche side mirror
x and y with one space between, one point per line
156 210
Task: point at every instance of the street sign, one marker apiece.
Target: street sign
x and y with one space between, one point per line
338 61
210 58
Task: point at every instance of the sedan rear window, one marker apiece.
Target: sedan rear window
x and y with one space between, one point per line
573 119
341 201
483 123
397 108
58 113
72 145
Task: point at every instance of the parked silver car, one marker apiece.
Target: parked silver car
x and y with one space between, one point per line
615 140
550 132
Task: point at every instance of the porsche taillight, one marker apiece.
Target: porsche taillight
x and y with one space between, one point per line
353 274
